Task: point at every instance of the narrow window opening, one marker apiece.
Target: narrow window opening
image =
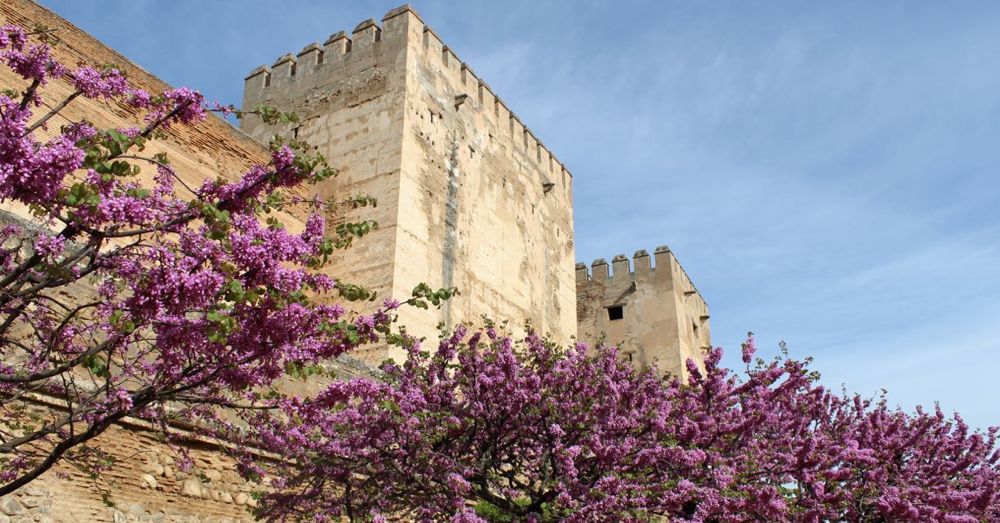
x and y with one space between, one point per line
616 312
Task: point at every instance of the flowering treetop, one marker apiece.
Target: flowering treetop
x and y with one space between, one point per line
484 429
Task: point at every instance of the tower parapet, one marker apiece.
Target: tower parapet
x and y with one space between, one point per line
650 308
317 64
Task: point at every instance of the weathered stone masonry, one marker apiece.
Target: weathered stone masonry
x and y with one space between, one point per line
468 197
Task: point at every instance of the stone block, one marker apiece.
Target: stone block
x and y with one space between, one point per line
11 506
148 481
191 487
153 468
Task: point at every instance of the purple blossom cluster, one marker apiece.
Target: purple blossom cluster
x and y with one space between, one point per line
30 171
108 84
31 62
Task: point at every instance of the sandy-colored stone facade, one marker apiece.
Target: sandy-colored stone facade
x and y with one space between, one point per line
144 484
468 197
652 311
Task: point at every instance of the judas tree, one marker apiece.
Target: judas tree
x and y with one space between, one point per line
773 445
525 432
127 293
484 429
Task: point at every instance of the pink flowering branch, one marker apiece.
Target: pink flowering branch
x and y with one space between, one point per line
120 297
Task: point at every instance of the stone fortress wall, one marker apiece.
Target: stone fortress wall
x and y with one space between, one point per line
468 196
144 484
654 312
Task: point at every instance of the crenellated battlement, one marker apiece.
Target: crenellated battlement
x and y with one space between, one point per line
317 57
642 266
317 63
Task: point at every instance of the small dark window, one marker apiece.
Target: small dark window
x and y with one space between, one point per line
616 312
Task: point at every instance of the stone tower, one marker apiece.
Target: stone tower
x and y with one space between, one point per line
653 312
467 195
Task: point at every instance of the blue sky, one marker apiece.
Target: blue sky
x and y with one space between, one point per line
826 172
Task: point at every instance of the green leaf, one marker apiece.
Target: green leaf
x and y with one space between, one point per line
97 364
422 294
352 292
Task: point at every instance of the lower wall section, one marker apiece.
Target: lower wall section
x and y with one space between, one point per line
144 485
